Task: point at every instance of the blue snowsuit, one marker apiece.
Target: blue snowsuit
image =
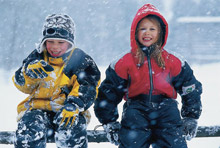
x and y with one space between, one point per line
150 114
36 126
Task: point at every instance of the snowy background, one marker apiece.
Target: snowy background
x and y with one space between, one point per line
102 30
103 27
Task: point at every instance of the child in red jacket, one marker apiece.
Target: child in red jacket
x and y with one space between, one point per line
149 79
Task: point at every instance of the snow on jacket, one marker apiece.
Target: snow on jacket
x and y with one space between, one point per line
75 74
125 78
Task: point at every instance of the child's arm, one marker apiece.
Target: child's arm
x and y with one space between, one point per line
85 77
23 82
190 90
110 95
34 69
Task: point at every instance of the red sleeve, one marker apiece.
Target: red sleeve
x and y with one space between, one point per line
121 67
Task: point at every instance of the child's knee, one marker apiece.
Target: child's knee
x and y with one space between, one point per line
70 138
31 130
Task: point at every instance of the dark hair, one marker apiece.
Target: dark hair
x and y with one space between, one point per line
157 53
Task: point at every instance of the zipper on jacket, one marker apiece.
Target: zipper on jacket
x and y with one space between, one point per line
150 75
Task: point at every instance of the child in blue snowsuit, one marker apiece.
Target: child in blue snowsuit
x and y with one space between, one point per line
149 78
62 83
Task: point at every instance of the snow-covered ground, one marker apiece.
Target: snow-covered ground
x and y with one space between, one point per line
207 74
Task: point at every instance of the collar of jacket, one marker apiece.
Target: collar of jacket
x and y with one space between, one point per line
58 60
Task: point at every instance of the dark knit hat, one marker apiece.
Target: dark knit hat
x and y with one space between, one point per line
60 27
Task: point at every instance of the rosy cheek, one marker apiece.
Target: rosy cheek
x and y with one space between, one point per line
48 46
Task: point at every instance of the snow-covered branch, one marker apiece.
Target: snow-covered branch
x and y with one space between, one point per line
7 137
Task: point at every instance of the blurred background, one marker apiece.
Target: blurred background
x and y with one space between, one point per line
103 27
103 31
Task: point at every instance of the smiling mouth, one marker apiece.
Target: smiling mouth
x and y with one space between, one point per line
56 52
146 38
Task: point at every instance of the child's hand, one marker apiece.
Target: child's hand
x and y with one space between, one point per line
38 69
112 130
67 116
190 127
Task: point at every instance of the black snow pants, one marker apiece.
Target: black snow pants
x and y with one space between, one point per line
36 126
157 124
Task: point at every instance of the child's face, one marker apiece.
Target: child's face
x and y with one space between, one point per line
148 32
56 48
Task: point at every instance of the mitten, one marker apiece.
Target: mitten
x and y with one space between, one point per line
190 126
68 116
112 130
38 69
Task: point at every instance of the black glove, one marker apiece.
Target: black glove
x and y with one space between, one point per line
190 126
67 116
38 69
112 130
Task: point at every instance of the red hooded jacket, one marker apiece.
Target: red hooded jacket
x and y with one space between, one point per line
140 76
125 78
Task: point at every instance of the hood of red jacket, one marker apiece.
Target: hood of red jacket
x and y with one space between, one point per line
147 9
